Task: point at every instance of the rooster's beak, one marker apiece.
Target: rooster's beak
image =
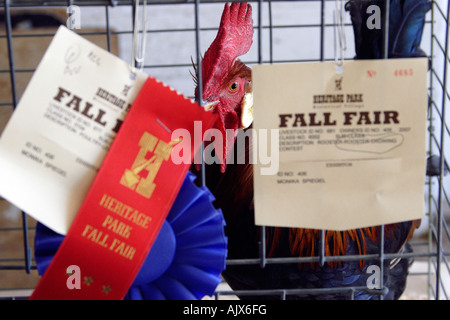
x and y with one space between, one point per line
210 105
247 111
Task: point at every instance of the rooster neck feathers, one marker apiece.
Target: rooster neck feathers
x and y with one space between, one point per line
306 242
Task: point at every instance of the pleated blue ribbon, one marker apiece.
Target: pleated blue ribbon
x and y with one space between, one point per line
187 257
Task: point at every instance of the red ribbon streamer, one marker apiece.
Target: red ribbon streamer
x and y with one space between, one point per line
127 202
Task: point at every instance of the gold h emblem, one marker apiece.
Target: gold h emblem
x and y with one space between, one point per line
133 178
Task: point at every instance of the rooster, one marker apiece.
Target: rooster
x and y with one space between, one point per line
227 91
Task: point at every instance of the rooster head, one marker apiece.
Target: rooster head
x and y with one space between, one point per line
226 81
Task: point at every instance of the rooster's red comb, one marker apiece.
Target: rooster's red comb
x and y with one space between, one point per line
234 38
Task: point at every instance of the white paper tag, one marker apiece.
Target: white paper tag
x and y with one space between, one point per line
351 145
56 139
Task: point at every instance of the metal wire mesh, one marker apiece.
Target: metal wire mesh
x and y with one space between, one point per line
179 30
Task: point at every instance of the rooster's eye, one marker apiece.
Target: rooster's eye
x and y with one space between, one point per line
234 86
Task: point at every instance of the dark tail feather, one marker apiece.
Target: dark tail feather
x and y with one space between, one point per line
406 22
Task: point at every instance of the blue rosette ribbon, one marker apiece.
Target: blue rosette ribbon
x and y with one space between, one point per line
187 257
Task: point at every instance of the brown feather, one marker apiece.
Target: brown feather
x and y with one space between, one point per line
304 241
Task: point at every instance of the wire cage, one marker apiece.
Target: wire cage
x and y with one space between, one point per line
181 30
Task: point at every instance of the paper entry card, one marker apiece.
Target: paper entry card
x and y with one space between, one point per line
58 135
351 145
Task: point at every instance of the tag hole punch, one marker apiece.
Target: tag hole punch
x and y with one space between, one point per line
339 68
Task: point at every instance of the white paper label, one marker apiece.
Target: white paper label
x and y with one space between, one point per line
56 139
351 145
